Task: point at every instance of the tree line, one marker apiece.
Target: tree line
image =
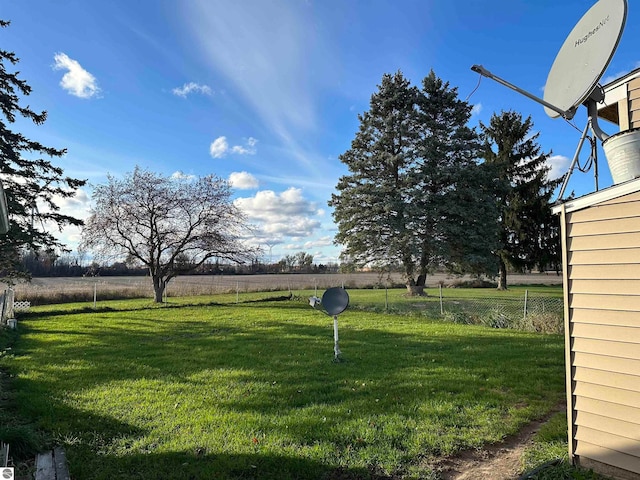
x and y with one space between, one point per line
75 264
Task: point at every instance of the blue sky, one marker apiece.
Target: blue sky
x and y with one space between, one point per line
266 93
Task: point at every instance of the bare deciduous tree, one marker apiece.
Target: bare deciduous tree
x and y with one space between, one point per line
172 225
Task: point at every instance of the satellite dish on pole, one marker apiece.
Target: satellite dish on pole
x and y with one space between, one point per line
334 301
574 76
585 56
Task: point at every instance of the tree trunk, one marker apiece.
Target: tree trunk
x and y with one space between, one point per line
502 275
416 290
158 289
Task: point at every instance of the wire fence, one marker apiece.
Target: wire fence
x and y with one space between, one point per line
530 311
80 289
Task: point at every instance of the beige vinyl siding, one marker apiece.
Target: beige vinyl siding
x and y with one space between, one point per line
608 379
605 242
604 227
608 410
634 103
603 257
634 119
621 318
623 113
603 347
603 283
629 198
607 363
607 456
622 271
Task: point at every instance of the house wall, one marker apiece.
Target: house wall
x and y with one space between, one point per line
634 105
602 314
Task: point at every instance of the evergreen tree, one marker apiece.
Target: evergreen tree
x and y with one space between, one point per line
32 184
453 193
371 207
527 227
416 194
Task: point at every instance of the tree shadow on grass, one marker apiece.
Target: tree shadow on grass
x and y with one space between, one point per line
198 465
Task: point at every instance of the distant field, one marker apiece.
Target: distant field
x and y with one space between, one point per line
82 289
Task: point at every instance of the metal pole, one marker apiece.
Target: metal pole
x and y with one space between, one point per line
526 297
441 307
336 348
386 298
594 150
95 294
568 114
575 159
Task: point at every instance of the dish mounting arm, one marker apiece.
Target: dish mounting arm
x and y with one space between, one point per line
592 124
568 114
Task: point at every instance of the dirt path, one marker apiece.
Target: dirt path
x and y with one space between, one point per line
493 462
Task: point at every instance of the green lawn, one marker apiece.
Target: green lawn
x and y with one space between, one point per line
249 390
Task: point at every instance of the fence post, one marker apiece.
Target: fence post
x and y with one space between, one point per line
526 298
3 309
9 299
237 292
386 299
4 455
441 307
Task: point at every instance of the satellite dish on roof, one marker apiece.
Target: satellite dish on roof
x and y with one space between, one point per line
584 56
335 300
574 76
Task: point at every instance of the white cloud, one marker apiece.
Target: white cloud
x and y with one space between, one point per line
77 206
77 81
309 245
220 147
243 181
477 108
287 214
321 242
179 175
559 166
192 87
248 149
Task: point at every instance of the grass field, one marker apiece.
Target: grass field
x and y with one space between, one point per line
196 389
